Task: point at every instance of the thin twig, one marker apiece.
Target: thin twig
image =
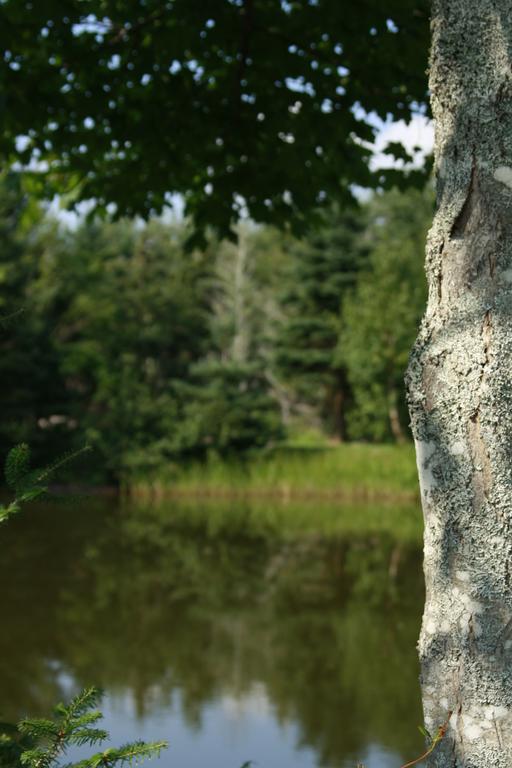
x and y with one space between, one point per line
435 741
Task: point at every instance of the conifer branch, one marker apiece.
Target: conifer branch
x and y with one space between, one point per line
29 484
73 725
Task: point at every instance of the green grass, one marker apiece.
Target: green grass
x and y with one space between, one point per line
353 471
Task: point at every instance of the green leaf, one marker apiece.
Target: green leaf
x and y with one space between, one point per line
224 133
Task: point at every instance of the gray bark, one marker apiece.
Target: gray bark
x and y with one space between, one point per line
460 390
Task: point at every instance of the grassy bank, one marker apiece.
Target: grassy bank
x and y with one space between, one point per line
353 471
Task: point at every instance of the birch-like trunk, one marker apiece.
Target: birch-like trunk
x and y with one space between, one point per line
460 390
240 347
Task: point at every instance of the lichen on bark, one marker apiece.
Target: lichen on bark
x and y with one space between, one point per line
460 390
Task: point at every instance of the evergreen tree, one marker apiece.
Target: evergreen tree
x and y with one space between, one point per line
377 331
43 742
133 319
246 308
228 410
323 269
229 403
32 392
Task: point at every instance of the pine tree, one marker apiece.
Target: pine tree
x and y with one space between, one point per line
228 403
129 316
228 410
26 482
377 333
323 270
43 742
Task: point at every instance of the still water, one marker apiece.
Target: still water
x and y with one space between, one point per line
230 636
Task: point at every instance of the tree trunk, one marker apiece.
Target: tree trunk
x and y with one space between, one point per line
393 414
240 348
460 390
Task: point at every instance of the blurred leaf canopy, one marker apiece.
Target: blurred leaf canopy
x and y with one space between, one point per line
263 107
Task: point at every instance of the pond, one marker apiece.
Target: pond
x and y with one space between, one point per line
236 633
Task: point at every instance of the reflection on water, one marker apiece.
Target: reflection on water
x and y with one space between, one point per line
214 631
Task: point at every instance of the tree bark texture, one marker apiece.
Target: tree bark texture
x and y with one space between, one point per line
460 390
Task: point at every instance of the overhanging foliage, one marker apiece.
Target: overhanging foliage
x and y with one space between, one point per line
257 106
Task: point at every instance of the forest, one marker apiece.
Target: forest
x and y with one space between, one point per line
239 344
120 336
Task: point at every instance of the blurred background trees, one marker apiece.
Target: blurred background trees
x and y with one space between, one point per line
380 315
154 355
322 272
